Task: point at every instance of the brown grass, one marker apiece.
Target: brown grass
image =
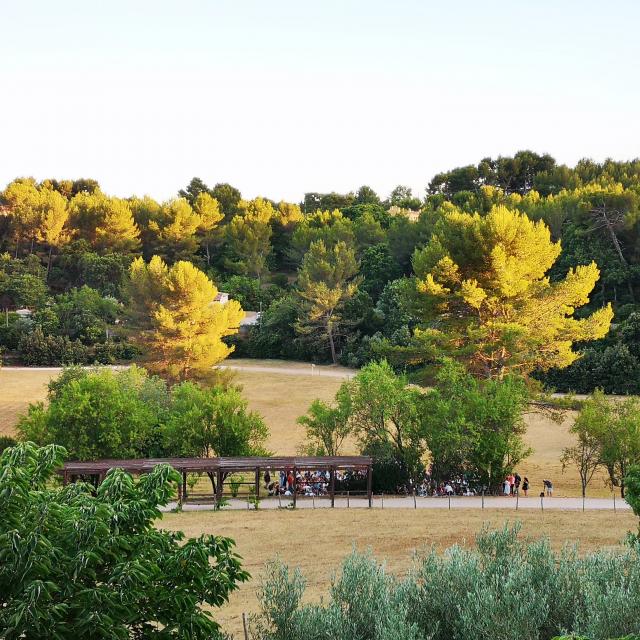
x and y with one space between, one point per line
317 541
281 399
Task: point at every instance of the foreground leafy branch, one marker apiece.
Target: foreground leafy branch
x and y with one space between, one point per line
83 563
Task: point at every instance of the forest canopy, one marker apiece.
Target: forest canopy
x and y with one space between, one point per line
511 264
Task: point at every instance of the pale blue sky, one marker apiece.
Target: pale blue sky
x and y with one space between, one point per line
279 98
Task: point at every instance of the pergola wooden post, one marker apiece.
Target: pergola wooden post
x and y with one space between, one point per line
218 486
332 485
257 482
295 485
65 478
369 495
184 486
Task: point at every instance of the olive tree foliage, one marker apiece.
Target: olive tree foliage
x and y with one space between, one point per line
76 562
505 588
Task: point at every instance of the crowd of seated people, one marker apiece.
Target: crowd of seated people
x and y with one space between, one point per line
458 486
309 483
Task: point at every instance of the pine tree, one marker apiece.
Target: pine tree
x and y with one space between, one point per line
249 240
487 298
326 280
177 320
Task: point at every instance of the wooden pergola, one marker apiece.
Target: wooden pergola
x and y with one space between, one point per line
223 467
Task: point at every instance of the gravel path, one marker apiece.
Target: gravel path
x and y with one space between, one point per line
396 502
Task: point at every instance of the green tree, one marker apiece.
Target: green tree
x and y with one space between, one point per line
615 427
329 226
386 416
174 230
105 222
178 322
483 281
228 197
211 422
80 314
328 426
585 455
377 268
632 483
193 190
249 241
326 281
475 427
101 414
208 210
85 563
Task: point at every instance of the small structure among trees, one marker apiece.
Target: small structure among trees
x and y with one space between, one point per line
222 468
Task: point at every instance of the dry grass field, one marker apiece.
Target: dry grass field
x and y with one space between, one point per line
282 398
317 541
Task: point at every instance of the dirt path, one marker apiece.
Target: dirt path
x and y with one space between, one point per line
304 369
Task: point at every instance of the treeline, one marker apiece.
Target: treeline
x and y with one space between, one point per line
342 277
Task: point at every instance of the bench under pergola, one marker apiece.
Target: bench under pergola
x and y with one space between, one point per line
221 468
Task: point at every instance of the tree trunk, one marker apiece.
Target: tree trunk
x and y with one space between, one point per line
331 342
212 477
49 263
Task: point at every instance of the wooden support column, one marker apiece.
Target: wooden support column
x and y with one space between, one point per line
65 478
332 485
179 495
257 482
184 485
369 478
295 486
218 486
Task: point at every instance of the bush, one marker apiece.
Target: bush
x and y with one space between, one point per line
504 589
40 350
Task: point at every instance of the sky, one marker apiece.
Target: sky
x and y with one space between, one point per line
283 97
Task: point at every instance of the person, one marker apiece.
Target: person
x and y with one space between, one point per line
506 487
516 484
267 478
548 485
448 489
525 486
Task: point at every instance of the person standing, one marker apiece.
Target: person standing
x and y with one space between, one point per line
525 486
548 485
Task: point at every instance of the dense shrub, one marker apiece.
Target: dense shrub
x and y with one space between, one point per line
38 349
504 589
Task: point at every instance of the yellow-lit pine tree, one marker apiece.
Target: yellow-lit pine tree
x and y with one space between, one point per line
488 301
178 322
